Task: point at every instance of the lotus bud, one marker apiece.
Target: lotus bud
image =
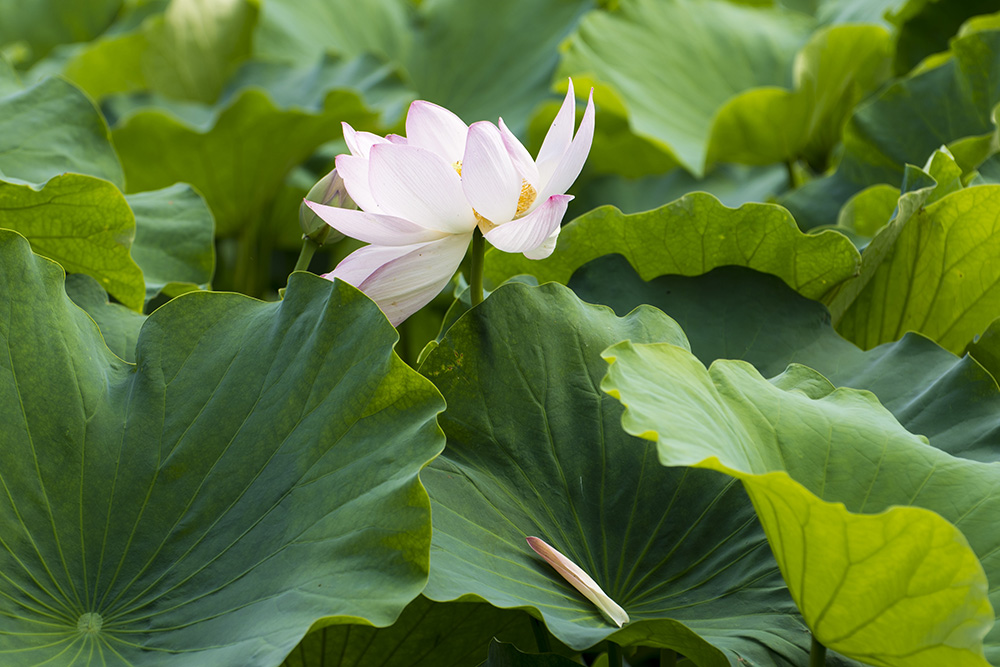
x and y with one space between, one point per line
581 581
329 191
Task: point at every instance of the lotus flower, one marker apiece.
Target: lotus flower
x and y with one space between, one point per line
581 581
422 196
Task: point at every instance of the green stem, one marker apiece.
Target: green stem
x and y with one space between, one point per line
615 658
817 654
541 636
668 657
309 248
476 279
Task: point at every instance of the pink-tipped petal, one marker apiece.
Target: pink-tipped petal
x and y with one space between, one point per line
519 155
382 230
491 183
403 279
571 164
533 230
395 139
436 129
581 581
418 185
354 170
558 138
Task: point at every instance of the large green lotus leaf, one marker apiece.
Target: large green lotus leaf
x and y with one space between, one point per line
534 448
641 48
832 476
426 634
254 471
507 655
478 58
186 52
932 272
986 349
949 101
298 31
174 240
119 326
926 26
52 128
692 236
238 155
82 222
737 313
833 71
29 30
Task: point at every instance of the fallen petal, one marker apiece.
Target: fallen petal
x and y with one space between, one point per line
581 581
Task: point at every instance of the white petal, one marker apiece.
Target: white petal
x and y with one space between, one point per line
403 279
547 247
572 161
558 138
418 185
531 231
360 143
372 228
519 155
354 170
491 183
395 139
436 129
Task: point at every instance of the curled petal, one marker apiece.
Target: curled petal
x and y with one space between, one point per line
360 143
354 171
581 581
403 279
569 166
533 230
418 185
519 155
491 183
436 129
558 138
547 247
373 228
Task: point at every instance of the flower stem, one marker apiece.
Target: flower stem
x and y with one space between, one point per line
541 636
615 658
309 248
476 279
817 654
668 657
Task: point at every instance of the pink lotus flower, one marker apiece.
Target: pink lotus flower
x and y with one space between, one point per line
581 581
422 196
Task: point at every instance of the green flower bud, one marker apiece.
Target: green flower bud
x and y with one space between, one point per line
329 191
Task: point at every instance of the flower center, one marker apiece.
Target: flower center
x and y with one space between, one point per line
524 202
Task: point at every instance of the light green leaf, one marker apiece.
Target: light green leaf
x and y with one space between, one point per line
52 128
931 272
426 634
868 211
671 64
82 222
37 26
950 102
238 154
679 549
692 236
833 72
174 240
119 325
254 471
824 468
298 31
